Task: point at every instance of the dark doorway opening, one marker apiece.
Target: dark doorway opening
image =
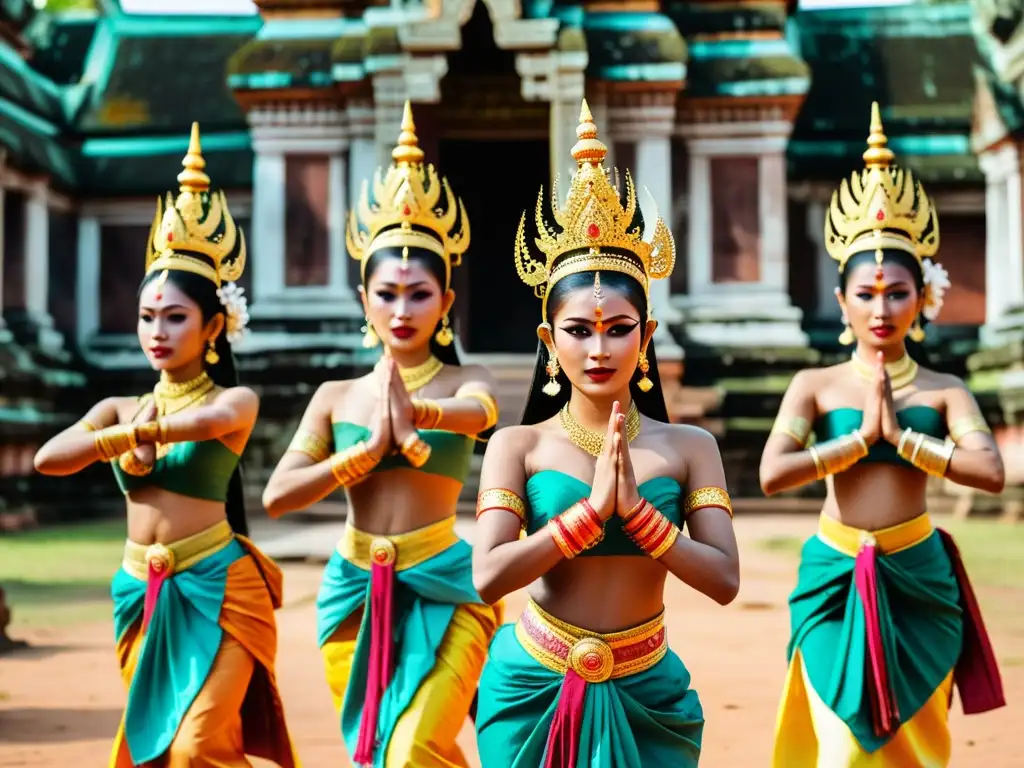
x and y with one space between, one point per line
498 181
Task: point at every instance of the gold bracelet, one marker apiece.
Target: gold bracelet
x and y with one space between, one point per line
86 426
488 404
710 496
131 464
113 441
501 498
796 427
152 431
967 425
311 445
835 456
352 465
928 454
577 529
426 414
415 450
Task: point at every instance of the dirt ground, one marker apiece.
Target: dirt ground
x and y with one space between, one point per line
60 701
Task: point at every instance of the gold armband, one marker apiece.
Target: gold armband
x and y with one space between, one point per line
926 453
113 441
131 465
152 431
501 498
426 414
652 531
835 456
415 450
577 529
352 465
489 405
85 426
973 423
311 445
709 496
796 427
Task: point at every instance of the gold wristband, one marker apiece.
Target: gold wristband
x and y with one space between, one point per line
311 445
352 465
131 464
488 404
415 450
577 529
928 454
86 426
501 498
710 496
796 427
152 431
967 425
113 441
835 456
426 414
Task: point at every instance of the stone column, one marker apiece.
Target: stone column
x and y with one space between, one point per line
88 285
1004 245
827 277
362 155
37 267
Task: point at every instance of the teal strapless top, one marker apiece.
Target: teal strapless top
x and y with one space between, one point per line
842 421
550 492
200 470
450 452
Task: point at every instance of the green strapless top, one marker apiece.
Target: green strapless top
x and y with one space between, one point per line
842 421
550 492
450 452
200 470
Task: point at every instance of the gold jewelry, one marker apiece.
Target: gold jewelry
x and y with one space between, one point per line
417 377
966 425
577 529
198 221
172 397
594 231
901 372
837 455
487 403
644 384
552 387
86 426
709 496
796 427
370 337
152 432
501 498
651 531
426 414
352 465
925 452
593 442
113 441
131 465
444 335
881 207
405 210
415 450
916 331
311 445
846 338
212 358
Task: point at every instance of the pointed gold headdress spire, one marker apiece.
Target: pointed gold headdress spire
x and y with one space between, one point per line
404 212
879 207
595 230
196 224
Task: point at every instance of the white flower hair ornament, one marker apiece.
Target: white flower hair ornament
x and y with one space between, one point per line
236 307
936 283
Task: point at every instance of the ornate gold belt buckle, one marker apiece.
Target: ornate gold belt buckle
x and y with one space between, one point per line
160 559
592 659
383 552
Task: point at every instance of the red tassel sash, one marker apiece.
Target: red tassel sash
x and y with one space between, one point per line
159 567
884 709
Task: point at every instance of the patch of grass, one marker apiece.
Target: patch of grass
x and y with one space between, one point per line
58 576
785 545
992 550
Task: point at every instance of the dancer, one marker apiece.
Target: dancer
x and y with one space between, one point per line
601 483
194 600
399 440
884 620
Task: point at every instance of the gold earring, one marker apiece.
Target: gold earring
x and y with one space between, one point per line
552 388
846 337
444 336
212 358
644 384
370 338
916 331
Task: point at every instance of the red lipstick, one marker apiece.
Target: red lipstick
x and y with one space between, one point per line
403 332
160 352
599 375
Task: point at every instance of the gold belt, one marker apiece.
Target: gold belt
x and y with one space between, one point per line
849 540
593 656
177 556
404 550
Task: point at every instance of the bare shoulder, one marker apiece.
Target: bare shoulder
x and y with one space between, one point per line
809 379
937 380
240 396
514 441
687 438
472 373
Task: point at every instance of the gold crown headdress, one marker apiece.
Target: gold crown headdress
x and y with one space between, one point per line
197 222
404 198
881 206
595 222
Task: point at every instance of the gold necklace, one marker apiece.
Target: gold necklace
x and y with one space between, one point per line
418 376
590 441
174 396
902 372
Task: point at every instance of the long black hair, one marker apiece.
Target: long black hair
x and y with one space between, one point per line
224 374
901 259
433 264
539 406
